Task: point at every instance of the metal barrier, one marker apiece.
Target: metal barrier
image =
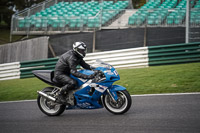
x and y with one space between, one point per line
10 71
125 58
136 57
174 54
28 66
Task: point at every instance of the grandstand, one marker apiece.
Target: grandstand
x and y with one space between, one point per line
168 13
67 16
53 16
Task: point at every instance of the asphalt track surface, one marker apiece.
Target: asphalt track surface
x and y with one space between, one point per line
148 114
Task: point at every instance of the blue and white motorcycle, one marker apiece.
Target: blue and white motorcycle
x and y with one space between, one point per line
91 94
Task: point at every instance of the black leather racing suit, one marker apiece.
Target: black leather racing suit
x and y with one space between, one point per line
67 64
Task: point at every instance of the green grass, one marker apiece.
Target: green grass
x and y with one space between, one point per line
162 79
158 79
20 89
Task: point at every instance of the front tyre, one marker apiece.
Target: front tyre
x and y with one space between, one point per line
123 103
48 107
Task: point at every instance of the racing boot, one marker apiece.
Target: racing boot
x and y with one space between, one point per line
62 96
70 97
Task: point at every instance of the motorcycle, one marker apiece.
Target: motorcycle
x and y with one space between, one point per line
91 93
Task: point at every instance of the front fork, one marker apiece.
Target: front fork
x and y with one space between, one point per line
112 91
113 95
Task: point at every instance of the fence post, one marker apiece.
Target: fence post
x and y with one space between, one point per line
145 35
94 41
187 22
11 27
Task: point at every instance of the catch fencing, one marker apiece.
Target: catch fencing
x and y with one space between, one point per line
126 58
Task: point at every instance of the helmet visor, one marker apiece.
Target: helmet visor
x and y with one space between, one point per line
82 51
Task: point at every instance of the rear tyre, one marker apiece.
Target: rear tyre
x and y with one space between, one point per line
48 107
123 103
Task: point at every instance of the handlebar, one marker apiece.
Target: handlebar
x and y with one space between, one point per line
99 76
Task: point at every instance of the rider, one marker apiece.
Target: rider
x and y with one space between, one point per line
67 64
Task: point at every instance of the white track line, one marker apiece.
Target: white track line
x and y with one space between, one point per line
166 94
142 95
18 101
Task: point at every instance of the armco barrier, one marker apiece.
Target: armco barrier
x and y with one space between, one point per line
28 66
10 71
134 57
174 54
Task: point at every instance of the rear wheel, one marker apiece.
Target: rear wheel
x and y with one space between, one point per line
122 105
49 107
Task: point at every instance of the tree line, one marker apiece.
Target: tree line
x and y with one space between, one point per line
9 7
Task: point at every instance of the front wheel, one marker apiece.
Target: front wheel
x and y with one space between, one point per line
123 102
48 107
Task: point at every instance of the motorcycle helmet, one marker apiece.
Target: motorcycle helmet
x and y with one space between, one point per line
80 48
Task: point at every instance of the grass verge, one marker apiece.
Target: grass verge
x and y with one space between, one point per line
162 79
158 79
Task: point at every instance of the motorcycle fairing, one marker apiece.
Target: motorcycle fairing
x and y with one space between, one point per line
86 101
115 88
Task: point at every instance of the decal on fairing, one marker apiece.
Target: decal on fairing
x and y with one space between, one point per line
101 88
84 105
83 80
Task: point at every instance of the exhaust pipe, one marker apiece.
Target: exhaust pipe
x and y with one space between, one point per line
46 96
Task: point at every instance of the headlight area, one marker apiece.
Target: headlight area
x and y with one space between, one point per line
114 78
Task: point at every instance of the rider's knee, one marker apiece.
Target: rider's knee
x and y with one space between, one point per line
72 84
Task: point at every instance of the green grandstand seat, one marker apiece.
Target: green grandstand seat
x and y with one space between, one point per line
79 22
38 23
177 21
61 4
90 23
104 19
97 23
55 23
29 22
139 22
131 20
93 23
61 23
170 19
151 20
51 20
21 23
68 10
44 23
72 23
60 13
